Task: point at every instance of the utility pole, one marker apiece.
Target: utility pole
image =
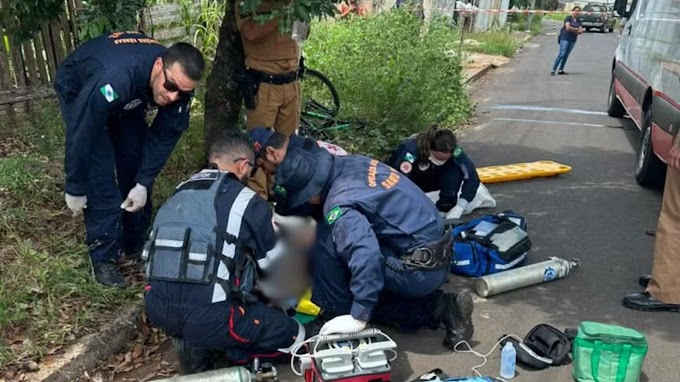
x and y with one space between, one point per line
531 15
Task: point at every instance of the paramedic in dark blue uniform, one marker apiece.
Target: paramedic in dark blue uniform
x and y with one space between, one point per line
391 251
434 161
112 156
213 309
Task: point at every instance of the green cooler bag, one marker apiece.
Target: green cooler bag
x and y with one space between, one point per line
607 353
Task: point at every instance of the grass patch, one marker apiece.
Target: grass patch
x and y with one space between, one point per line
500 43
46 295
391 73
556 16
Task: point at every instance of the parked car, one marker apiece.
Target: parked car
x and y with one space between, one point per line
646 81
597 16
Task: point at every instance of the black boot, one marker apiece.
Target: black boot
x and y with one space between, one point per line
454 312
109 275
193 359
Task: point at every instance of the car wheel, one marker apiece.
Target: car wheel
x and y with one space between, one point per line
614 106
650 171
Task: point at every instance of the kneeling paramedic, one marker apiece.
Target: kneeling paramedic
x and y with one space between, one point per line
434 161
112 156
209 243
390 253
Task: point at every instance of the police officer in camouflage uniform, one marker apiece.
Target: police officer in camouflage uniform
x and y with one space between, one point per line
211 243
390 251
271 88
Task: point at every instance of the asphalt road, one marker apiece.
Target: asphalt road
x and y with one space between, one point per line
596 213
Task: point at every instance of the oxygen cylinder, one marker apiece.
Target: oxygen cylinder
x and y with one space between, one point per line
538 273
230 374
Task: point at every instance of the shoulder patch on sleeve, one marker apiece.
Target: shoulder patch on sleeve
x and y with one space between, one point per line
405 167
279 190
457 151
409 157
108 93
333 215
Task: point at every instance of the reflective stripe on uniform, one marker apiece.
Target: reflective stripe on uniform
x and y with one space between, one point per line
229 250
169 243
198 256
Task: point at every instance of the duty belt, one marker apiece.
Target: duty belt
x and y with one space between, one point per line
433 256
274 79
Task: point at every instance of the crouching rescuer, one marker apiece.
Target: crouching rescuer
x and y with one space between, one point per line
210 244
383 250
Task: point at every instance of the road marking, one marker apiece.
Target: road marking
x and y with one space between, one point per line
550 122
551 34
542 108
560 82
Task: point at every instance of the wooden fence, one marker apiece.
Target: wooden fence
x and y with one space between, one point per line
27 69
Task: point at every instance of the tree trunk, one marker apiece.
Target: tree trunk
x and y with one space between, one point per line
223 98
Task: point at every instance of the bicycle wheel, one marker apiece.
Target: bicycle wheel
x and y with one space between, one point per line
318 93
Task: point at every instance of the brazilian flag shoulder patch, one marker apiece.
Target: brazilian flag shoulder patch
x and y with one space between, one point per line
279 190
333 215
458 150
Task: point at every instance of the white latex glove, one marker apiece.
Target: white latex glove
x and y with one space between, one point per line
136 199
76 203
342 324
455 212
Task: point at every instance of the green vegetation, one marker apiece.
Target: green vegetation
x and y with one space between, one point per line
494 43
391 74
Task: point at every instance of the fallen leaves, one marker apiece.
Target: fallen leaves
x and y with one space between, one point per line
13 146
141 361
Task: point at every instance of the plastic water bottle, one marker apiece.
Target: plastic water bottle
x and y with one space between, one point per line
508 356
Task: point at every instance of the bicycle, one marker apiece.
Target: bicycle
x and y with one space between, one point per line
320 107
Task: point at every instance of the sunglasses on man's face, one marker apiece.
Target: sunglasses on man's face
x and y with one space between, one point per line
172 87
251 164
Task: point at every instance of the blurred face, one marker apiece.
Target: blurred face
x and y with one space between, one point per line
440 155
576 12
169 83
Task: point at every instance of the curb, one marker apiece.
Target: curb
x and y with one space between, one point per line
89 350
478 74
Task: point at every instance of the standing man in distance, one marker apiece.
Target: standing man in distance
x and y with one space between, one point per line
112 156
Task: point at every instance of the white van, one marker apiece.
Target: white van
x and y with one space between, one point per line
646 80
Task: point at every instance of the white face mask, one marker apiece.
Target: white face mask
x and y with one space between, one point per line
436 161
